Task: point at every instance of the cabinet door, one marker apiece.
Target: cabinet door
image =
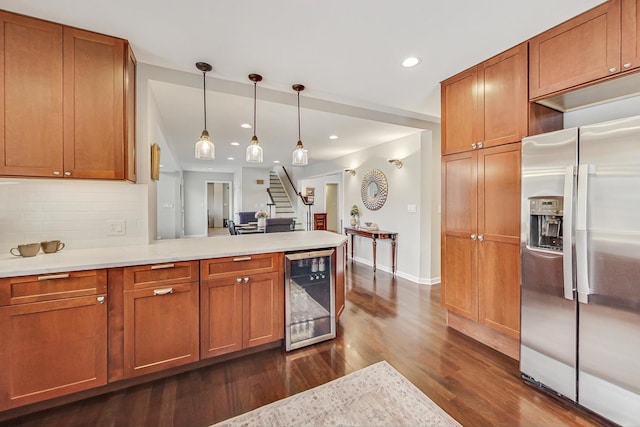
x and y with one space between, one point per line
51 349
499 238
461 119
459 225
31 97
504 86
263 308
220 316
630 34
160 328
578 51
93 105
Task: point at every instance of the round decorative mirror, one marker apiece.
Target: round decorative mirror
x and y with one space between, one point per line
374 190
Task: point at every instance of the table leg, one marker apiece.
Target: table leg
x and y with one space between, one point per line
393 255
352 247
374 254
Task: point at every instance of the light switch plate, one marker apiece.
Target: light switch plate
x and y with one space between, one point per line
412 208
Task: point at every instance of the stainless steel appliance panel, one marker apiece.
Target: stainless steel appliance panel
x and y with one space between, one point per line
548 311
608 264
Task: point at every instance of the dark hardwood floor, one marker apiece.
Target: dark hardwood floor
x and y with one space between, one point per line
385 318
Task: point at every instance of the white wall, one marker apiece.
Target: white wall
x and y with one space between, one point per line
169 206
254 195
319 199
74 211
195 200
417 183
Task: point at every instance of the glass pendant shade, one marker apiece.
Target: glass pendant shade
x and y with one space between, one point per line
300 156
254 151
205 149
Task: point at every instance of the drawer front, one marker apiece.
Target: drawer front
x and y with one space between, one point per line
45 287
243 264
147 276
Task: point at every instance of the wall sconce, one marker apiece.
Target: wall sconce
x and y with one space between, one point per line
351 172
396 162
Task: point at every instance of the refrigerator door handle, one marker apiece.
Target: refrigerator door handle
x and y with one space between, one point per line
582 267
567 233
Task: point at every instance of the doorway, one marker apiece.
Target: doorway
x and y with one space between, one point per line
219 208
331 206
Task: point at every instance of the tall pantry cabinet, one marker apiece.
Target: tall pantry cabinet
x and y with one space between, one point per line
484 116
63 112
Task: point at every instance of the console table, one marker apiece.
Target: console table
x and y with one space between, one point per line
374 235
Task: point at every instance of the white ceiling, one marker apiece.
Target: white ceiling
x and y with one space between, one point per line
343 51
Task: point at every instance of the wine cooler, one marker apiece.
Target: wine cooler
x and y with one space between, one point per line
310 303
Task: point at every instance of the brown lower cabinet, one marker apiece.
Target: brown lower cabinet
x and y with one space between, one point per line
160 317
242 303
53 335
63 333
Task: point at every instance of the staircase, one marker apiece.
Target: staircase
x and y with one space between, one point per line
280 198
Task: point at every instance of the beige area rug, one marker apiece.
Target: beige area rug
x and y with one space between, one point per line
377 395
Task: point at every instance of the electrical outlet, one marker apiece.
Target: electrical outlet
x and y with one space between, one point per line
116 227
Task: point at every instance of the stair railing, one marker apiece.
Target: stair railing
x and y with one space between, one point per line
272 203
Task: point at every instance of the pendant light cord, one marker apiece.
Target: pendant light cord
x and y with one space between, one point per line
204 85
255 92
299 139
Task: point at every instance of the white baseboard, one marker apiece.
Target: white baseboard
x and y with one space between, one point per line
410 277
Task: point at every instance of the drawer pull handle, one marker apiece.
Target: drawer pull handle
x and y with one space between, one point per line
100 300
54 276
164 291
242 258
161 266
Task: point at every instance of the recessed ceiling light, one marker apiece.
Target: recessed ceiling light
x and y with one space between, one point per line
209 169
411 61
161 166
276 161
235 143
230 158
245 126
333 136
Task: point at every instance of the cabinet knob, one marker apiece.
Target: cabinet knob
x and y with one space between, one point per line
473 237
479 144
613 69
480 237
474 145
246 280
67 173
627 65
100 300
239 280
57 173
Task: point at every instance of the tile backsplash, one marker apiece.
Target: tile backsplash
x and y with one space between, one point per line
81 213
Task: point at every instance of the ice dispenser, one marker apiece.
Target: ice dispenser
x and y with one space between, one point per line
546 222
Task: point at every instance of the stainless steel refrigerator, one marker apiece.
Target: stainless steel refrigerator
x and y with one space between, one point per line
580 249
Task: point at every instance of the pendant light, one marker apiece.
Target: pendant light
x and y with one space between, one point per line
204 147
300 157
254 151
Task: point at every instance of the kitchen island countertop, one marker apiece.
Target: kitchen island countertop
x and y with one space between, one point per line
161 251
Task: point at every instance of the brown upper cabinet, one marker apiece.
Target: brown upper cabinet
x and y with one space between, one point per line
62 103
486 105
597 44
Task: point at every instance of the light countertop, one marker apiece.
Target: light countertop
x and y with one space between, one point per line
161 251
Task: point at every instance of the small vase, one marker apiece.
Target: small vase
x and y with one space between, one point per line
353 221
262 222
